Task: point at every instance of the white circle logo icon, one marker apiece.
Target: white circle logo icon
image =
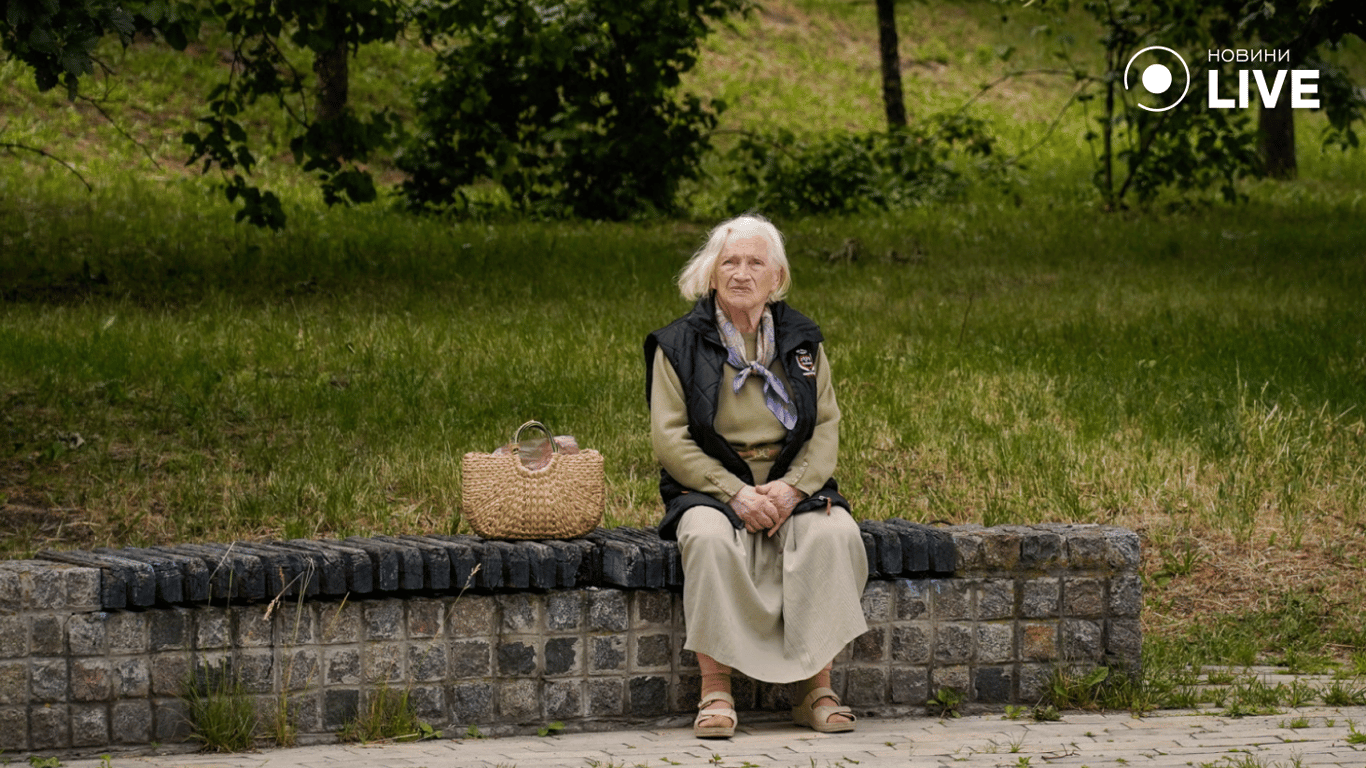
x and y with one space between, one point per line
1157 78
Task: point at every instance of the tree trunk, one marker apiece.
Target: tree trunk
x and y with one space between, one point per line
333 83
1276 138
892 97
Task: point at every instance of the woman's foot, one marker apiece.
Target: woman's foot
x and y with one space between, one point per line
715 717
821 711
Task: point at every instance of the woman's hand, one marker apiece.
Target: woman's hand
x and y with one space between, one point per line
754 509
783 497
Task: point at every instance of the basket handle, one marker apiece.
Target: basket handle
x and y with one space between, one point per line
550 436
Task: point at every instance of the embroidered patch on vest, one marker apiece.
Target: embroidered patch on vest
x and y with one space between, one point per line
806 362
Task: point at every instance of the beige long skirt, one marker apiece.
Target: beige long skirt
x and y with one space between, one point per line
776 608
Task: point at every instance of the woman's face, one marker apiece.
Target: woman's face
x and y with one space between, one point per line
745 275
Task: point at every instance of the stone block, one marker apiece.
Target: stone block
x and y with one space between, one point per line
1087 550
82 589
652 608
427 661
425 618
131 722
519 701
996 599
866 686
307 712
686 659
1039 641
1082 640
971 549
91 680
776 697
686 693
877 602
1000 549
341 666
471 658
127 632
383 620
1040 550
952 599
1126 596
1034 681
563 699
953 643
255 670
14 729
870 646
520 612
132 677
49 727
1122 549
605 697
956 677
48 681
649 695
300 669
169 629
516 659
14 636
562 656
607 654
910 685
564 611
341 706
607 611
86 634
170 671
653 651
995 643
994 685
1083 598
911 643
1040 598
912 599
340 623
49 635
472 616
383 663
13 684
89 725
471 703
1124 642
428 702
252 627
298 623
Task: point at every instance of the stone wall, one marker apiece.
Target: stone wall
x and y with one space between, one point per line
539 637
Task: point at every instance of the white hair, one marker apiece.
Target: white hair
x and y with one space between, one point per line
694 281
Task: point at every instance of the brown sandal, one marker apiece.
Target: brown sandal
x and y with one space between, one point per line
818 718
714 731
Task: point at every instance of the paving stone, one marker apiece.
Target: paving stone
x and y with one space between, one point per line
607 611
653 651
1041 549
471 658
607 654
952 599
13 683
49 727
91 680
471 703
131 722
563 656
89 725
340 707
48 681
341 666
49 636
427 661
519 700
131 677
563 699
953 642
649 695
877 602
383 619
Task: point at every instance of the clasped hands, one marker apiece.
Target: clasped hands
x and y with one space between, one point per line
767 506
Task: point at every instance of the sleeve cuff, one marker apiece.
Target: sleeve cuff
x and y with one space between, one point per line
728 484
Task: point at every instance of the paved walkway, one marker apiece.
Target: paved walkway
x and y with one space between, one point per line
1297 738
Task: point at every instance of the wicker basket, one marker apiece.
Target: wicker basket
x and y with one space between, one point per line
503 499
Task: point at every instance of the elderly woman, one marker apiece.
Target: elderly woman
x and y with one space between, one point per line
744 422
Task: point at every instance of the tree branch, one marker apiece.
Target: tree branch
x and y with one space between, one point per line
12 146
120 129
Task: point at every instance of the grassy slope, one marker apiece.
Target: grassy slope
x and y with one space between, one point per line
1195 375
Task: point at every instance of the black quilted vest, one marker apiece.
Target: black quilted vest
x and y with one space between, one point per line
694 347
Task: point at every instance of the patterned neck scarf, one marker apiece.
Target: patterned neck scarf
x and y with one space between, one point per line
775 394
